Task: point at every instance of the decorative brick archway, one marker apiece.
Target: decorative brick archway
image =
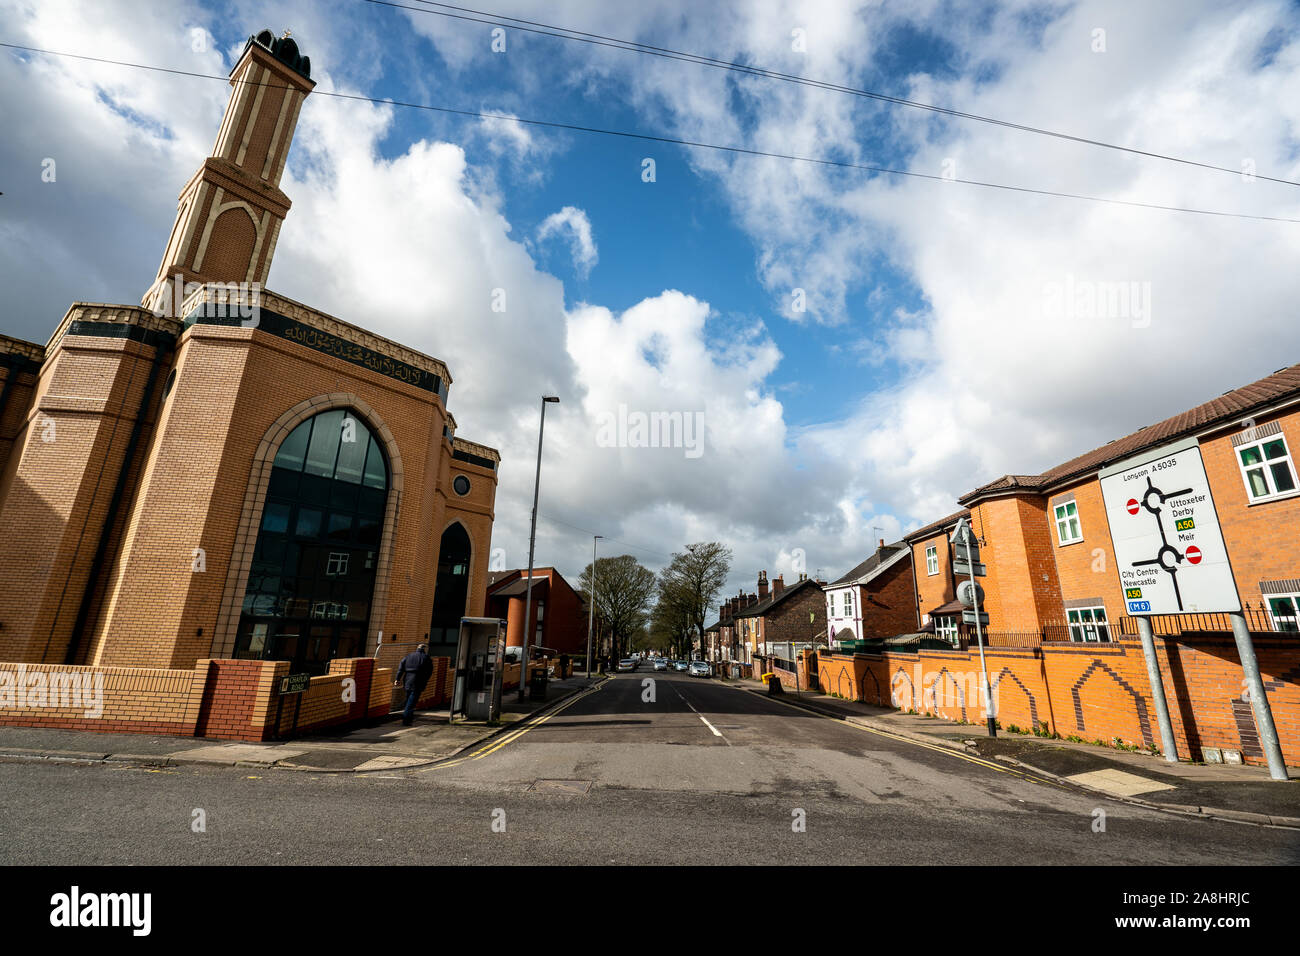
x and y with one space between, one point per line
250 519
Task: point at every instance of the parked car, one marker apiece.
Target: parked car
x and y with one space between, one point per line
680 665
661 664
626 664
700 669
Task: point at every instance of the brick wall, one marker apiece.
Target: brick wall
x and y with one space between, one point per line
1092 691
933 590
223 699
887 605
1261 538
133 700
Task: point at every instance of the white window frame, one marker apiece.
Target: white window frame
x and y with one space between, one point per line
1086 631
1061 515
1293 622
1265 468
831 598
945 628
848 604
932 559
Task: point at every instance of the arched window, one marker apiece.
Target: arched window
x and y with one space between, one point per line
312 581
451 591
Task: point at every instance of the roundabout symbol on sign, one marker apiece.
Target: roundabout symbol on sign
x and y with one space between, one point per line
1168 557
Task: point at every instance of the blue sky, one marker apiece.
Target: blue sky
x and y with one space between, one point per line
926 363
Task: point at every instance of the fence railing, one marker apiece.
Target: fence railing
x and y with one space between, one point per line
1259 620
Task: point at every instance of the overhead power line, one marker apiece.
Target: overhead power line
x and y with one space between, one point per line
606 537
670 140
451 11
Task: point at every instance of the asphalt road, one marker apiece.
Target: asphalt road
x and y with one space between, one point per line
701 773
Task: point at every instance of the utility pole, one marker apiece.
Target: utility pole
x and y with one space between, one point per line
591 611
532 540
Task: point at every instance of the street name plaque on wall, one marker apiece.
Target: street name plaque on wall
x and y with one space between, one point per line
1169 550
295 684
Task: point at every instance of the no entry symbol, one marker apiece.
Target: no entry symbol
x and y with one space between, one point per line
1193 554
1132 506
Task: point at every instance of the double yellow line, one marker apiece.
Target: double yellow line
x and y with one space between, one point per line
969 758
529 723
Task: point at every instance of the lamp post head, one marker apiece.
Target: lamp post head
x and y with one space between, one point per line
550 398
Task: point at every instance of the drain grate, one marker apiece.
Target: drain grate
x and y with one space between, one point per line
561 786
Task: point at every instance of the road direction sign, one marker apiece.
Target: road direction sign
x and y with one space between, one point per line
968 595
1168 547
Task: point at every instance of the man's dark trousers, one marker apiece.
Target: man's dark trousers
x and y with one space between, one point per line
416 667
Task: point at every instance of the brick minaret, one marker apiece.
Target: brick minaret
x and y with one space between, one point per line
229 213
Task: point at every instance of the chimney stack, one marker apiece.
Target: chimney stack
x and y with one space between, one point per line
778 584
762 585
882 545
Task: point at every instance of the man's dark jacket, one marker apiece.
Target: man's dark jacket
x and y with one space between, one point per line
418 668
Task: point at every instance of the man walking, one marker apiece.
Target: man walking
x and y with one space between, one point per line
415 670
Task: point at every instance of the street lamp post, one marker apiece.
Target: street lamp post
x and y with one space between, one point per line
532 539
591 610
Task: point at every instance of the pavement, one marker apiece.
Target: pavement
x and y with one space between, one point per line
1243 794
382 744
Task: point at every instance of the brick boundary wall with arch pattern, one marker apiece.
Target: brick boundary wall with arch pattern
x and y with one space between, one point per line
1094 691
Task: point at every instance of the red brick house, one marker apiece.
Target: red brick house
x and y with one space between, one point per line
557 612
787 614
875 599
1063 647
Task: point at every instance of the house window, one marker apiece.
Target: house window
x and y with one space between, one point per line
932 559
1285 610
946 628
832 596
1067 523
848 604
1266 468
1088 624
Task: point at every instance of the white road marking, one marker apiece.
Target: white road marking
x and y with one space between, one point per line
716 731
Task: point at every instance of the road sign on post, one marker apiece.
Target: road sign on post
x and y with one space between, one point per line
966 548
1169 550
1171 559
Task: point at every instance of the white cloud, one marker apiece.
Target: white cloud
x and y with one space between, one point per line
993 384
574 221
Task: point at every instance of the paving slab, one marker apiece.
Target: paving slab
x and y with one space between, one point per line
1118 782
390 762
238 753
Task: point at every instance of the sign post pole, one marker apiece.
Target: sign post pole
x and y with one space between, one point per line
963 535
591 611
979 639
1167 743
1258 700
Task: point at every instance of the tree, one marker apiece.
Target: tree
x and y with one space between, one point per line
670 624
692 581
623 592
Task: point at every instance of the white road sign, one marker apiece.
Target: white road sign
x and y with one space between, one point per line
1168 547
